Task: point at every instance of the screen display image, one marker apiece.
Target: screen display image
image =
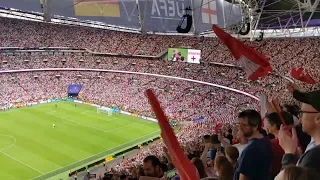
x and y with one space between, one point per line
171 174
176 54
184 55
74 88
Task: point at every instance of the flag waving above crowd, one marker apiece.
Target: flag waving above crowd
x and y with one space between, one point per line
253 62
185 169
304 77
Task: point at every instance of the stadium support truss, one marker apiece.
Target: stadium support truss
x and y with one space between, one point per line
274 18
285 18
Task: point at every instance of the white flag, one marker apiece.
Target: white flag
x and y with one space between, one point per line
209 12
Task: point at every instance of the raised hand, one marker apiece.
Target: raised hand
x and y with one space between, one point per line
291 87
288 142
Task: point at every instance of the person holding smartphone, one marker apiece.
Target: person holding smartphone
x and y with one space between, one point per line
216 146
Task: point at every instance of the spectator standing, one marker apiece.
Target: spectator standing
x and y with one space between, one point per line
273 126
255 160
243 142
152 167
293 110
310 120
311 144
304 138
200 167
230 136
232 154
216 146
297 173
206 139
223 168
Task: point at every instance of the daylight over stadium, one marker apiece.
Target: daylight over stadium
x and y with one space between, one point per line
159 90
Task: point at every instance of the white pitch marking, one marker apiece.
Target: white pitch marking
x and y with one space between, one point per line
78 123
85 113
14 143
119 127
65 121
98 153
22 162
90 126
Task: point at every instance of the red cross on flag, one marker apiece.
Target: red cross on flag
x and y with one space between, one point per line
253 62
209 12
194 56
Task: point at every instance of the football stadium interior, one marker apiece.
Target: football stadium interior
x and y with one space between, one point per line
80 83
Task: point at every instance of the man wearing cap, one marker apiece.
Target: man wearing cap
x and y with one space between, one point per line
310 120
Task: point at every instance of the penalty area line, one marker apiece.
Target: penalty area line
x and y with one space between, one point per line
77 123
86 114
85 125
114 148
14 143
21 162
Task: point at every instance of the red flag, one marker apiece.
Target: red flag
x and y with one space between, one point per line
299 75
277 108
186 170
218 126
253 62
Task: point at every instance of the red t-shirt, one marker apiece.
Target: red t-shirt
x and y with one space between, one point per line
277 154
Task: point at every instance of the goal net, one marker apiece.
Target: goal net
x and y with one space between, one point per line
104 110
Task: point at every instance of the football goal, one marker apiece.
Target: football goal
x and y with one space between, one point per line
105 110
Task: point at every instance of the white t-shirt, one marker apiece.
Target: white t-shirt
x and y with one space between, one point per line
226 140
240 147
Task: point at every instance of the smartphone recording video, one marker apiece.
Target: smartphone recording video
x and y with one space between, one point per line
171 174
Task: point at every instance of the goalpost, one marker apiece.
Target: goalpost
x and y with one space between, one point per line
105 110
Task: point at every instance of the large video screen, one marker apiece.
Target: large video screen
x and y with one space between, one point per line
184 55
74 88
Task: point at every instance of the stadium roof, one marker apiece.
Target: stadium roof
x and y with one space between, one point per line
289 14
163 16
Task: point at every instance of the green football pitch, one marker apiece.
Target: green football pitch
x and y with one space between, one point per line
31 148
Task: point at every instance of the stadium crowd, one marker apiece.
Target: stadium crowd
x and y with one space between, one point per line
240 150
284 53
182 100
244 151
227 76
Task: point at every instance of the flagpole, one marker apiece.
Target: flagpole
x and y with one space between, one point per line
276 72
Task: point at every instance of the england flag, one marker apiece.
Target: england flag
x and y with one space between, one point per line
209 12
